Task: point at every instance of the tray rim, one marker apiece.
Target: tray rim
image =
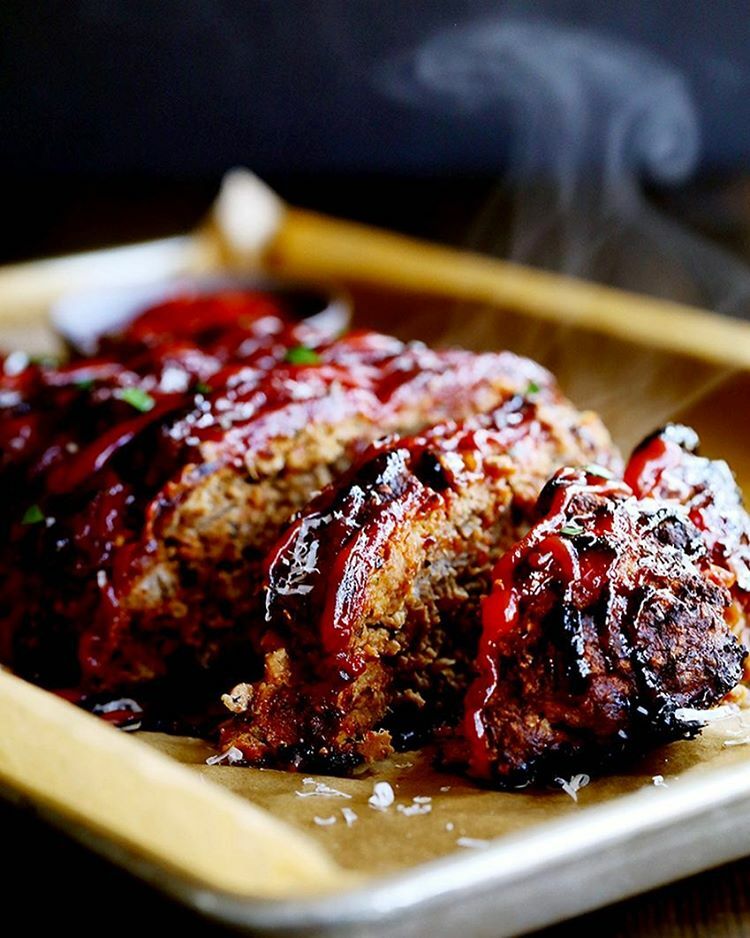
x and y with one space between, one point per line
398 263
600 848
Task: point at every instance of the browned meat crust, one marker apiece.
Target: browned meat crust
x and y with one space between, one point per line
372 594
603 634
667 466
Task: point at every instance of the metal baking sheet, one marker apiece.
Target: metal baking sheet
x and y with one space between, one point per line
548 857
616 847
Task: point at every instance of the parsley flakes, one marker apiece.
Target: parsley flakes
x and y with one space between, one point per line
137 398
33 515
302 355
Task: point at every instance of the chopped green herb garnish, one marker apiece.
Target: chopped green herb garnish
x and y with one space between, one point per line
533 388
85 384
600 471
203 388
572 529
137 398
44 361
302 355
33 515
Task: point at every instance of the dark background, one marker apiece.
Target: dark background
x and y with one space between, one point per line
117 119
184 88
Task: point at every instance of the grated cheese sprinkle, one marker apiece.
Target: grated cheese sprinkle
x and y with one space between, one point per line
320 790
232 756
573 786
122 703
382 796
349 816
413 809
691 715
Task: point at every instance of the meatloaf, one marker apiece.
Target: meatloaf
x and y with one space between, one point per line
668 466
156 474
223 495
372 594
605 633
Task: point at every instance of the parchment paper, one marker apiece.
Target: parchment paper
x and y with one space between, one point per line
382 841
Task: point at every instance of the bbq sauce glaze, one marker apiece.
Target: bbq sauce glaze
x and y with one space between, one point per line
87 445
325 557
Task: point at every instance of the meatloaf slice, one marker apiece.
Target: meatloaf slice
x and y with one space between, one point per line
372 593
85 448
604 633
667 465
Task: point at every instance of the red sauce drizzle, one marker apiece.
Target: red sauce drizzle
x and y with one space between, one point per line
349 526
215 384
649 462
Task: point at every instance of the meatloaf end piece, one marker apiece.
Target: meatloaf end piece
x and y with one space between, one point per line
668 466
604 634
85 448
372 593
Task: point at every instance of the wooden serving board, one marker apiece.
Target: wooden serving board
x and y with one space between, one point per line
256 847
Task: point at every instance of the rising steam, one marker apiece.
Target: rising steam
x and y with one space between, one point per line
591 118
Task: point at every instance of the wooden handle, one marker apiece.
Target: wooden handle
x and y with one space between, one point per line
308 246
314 246
118 787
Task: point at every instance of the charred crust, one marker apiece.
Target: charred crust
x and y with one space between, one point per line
608 654
430 472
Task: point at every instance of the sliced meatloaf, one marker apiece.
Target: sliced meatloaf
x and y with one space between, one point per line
668 466
604 633
156 474
372 593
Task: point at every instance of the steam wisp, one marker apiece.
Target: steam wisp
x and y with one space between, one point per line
589 118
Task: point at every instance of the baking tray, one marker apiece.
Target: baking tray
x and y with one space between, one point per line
243 847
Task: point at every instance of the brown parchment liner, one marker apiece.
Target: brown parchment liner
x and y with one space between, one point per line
383 841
